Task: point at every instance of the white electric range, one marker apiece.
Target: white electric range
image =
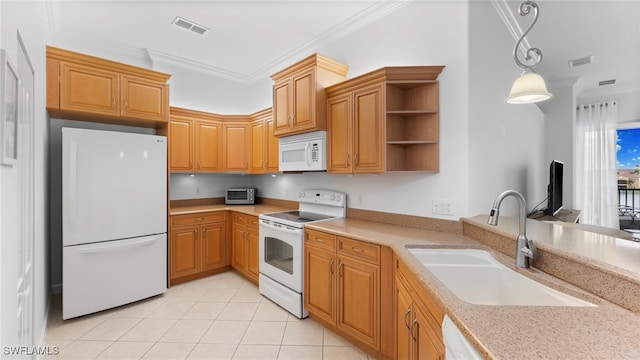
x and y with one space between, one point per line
282 246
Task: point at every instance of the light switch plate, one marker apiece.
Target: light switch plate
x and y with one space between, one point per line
442 207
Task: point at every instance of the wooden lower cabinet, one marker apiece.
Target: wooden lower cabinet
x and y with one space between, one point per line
344 289
245 242
418 334
197 246
358 296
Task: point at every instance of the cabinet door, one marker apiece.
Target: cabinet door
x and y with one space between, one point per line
214 249
339 131
253 264
257 162
208 136
144 99
180 145
89 90
403 319
239 248
184 251
319 283
358 294
428 345
236 147
273 145
369 142
281 107
304 104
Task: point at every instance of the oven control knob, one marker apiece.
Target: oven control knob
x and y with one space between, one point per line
338 198
333 198
301 195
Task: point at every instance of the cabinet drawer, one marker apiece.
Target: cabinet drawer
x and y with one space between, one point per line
252 222
320 239
239 218
359 249
197 219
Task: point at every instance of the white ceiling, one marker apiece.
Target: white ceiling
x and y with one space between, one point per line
249 40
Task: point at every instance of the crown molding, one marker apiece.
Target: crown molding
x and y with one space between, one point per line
371 14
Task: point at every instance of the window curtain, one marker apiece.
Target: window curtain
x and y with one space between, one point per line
596 192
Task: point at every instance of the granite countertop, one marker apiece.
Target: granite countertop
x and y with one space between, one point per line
245 209
607 331
512 332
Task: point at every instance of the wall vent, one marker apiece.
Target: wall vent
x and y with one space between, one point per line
581 61
189 25
606 82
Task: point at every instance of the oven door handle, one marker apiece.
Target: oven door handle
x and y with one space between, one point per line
284 228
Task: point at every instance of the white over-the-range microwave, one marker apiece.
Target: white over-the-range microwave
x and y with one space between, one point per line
304 152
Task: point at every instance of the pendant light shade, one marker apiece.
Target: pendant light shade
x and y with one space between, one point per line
528 88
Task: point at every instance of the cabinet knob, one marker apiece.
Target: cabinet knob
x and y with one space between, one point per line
114 103
331 265
340 267
348 160
355 159
126 105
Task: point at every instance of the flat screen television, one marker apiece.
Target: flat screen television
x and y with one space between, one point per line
554 190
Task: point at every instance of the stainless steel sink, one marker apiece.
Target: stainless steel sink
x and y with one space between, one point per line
476 277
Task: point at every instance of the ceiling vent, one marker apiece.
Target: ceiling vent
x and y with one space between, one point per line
606 82
581 61
189 25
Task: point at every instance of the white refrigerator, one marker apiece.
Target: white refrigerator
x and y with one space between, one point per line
114 220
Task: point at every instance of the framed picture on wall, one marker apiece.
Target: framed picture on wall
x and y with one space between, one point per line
9 86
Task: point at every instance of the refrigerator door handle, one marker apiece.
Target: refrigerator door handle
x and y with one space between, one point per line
73 186
108 247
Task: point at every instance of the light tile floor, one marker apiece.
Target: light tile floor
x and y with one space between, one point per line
218 317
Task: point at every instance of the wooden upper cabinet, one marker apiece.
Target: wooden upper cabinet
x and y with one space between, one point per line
273 148
385 120
144 99
83 88
264 145
236 144
282 107
355 124
340 128
180 144
299 97
88 88
195 141
208 146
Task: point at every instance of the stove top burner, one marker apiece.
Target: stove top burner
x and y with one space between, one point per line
300 217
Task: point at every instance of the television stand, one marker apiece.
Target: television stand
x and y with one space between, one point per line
564 215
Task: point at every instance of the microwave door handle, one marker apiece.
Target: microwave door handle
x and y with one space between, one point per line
307 154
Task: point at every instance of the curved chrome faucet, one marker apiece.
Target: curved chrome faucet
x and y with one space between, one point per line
525 248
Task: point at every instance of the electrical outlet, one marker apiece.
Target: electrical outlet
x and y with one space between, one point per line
198 190
286 193
361 199
442 207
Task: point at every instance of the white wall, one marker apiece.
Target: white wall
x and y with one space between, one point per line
30 18
506 141
560 119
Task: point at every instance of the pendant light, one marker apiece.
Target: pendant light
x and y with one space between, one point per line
529 87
